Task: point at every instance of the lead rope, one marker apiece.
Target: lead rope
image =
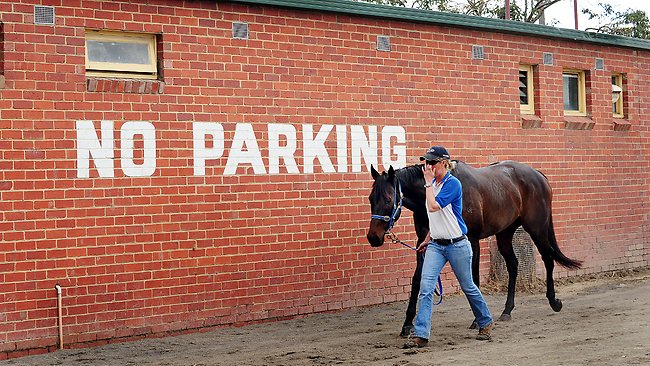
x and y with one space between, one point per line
438 290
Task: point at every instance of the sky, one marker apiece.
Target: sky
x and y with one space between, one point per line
563 11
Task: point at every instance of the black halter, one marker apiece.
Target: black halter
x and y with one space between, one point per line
394 215
397 207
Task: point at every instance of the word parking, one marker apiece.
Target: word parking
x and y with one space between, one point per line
354 146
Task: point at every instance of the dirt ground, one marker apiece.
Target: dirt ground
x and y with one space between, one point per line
604 322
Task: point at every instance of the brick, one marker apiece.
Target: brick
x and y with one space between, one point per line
182 252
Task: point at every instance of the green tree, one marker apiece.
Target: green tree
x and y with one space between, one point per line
529 11
629 23
522 10
439 5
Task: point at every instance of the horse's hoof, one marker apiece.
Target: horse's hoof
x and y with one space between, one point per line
407 330
505 317
474 325
556 305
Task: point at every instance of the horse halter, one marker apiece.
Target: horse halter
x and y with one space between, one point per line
397 208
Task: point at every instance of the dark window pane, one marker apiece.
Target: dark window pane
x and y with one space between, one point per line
571 94
523 87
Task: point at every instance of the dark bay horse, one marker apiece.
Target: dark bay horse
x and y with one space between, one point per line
497 200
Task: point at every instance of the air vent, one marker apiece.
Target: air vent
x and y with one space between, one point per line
383 43
44 15
600 64
478 53
240 30
548 59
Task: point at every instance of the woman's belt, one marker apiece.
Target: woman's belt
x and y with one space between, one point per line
449 241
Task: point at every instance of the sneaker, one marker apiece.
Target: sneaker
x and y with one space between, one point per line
416 342
484 333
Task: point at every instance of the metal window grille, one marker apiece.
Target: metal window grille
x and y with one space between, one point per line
43 14
240 30
600 64
383 43
548 59
478 53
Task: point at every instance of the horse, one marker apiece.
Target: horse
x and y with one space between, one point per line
497 200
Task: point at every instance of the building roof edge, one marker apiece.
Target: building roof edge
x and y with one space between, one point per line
453 20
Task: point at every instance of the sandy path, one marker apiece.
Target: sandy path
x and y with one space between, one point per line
604 322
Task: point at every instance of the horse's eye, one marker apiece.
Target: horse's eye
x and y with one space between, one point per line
387 201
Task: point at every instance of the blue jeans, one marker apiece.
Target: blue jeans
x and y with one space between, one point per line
459 256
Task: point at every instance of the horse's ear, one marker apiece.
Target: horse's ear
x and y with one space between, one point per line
391 171
374 173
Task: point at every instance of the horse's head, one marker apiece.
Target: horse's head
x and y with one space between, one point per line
385 205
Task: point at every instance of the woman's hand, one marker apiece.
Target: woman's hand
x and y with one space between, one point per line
429 173
422 247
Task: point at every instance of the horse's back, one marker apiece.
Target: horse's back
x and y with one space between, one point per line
497 195
531 183
504 173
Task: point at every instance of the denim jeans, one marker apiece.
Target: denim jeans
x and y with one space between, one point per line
459 256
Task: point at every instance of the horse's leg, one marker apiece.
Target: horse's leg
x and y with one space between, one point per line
541 240
407 328
476 260
555 303
504 244
421 222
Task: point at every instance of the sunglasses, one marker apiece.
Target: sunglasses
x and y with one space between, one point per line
433 162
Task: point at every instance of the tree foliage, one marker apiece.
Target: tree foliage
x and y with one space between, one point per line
522 10
629 23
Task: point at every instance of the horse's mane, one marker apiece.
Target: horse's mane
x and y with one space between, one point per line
409 174
413 173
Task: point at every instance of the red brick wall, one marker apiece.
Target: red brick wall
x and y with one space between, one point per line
174 251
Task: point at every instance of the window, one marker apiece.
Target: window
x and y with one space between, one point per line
617 96
121 54
526 91
575 98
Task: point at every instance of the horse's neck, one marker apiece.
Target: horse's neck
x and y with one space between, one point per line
412 182
409 175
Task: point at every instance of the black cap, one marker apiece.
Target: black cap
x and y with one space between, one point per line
435 153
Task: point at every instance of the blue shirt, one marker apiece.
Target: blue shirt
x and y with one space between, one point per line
447 223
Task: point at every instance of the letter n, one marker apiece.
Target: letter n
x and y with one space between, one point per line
88 145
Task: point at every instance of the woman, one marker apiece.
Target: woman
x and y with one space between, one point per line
446 243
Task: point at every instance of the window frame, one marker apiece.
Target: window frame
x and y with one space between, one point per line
582 92
619 112
125 70
528 108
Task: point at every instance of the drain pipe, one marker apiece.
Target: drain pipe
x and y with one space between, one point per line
60 308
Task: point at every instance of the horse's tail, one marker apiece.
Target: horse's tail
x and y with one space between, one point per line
558 256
